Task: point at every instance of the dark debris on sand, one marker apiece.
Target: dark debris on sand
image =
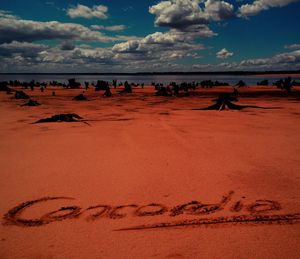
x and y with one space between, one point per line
225 101
31 103
66 117
21 95
80 97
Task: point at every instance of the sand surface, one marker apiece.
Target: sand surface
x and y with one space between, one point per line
139 158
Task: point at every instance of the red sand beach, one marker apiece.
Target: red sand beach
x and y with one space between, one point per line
148 177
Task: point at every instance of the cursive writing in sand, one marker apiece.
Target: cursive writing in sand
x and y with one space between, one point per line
259 211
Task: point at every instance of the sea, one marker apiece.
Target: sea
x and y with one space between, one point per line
146 79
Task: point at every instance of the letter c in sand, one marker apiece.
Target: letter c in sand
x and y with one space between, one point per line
12 217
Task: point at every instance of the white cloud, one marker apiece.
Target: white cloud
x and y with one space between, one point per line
109 28
178 14
261 5
219 10
224 53
287 60
292 46
82 11
13 28
153 53
7 14
158 48
183 14
158 43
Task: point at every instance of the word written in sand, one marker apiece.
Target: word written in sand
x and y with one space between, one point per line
258 212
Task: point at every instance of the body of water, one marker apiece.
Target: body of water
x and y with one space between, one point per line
146 79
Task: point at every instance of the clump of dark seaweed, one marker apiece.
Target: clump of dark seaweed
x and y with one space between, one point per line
225 101
107 92
73 84
285 84
101 85
241 83
66 117
211 84
127 88
263 82
80 97
31 103
163 91
4 86
21 95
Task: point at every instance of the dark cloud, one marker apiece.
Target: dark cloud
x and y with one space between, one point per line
14 29
67 45
24 49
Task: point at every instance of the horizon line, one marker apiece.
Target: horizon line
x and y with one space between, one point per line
160 73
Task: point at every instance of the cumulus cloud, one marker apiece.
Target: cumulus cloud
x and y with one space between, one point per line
67 45
261 5
287 60
219 10
82 11
26 30
178 14
282 61
6 14
24 49
168 45
109 28
153 53
13 28
224 53
182 14
292 46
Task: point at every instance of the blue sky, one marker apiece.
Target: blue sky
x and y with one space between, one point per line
135 35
